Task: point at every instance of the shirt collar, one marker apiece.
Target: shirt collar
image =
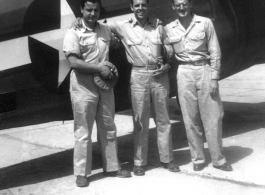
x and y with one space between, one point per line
153 22
85 28
195 19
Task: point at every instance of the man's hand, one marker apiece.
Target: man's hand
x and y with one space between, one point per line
161 71
77 24
114 71
105 72
214 87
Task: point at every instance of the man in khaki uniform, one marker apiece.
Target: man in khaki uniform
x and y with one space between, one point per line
87 51
197 49
144 39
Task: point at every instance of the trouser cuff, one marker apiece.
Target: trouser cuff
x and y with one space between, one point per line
139 163
112 167
166 160
81 171
219 163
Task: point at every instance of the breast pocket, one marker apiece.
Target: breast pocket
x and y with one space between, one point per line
177 44
156 47
135 47
87 44
197 41
103 45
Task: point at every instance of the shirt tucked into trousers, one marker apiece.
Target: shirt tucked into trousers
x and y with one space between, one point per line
198 52
91 103
143 47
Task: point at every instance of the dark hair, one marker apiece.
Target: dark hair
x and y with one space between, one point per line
92 1
146 1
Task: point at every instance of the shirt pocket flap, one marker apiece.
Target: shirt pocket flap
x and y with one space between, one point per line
156 41
85 41
134 41
198 36
175 39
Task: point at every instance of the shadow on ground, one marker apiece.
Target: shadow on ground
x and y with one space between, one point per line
239 118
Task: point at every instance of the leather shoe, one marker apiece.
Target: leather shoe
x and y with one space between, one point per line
81 181
171 166
120 173
198 167
224 167
138 170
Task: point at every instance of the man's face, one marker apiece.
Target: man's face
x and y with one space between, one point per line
140 9
91 12
182 8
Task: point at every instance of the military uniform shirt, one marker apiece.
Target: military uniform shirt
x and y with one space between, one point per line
143 44
197 42
92 47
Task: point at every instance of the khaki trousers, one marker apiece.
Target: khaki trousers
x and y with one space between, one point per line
91 103
146 92
201 111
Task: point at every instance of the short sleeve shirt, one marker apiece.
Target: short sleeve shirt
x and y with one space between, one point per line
92 47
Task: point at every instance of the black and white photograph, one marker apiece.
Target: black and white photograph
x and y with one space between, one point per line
132 97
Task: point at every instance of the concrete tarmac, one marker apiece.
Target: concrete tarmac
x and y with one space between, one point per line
37 160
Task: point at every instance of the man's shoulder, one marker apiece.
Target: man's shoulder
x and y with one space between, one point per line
103 26
71 33
171 24
202 18
71 30
155 22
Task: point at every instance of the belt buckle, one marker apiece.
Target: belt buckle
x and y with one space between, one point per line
199 63
151 67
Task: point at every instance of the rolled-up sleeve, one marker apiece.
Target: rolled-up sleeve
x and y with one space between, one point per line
71 43
214 50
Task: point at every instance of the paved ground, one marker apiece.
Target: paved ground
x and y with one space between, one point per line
37 160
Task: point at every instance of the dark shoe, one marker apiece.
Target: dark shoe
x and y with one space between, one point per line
81 181
198 167
120 173
224 167
138 170
171 166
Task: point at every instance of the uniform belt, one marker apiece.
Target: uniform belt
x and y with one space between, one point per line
195 63
147 67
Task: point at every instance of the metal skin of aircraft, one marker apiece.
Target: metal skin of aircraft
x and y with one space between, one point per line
34 74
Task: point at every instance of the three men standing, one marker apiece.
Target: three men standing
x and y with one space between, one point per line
148 50
197 49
